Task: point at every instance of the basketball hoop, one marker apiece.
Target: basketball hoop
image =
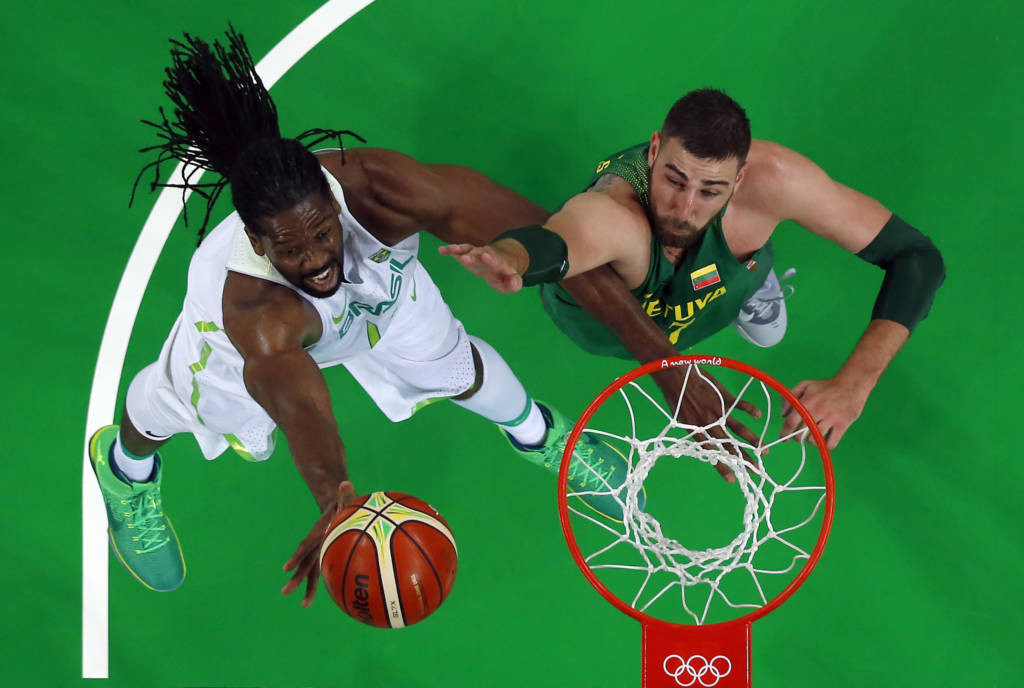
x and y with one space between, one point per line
696 603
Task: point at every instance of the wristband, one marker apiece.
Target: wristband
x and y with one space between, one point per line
549 256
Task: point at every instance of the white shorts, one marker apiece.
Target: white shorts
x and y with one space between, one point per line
423 356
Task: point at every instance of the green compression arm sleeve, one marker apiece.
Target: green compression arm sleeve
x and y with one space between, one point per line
913 272
549 256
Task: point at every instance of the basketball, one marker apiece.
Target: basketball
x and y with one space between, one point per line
388 560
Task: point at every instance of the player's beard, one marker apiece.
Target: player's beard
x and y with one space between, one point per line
670 231
674 233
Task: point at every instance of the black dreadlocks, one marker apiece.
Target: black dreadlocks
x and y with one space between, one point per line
224 121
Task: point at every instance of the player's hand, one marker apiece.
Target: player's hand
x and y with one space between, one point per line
701 405
500 264
306 560
833 405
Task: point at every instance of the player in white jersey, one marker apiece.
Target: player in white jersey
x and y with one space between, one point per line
317 267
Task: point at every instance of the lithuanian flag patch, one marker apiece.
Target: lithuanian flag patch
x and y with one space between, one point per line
705 277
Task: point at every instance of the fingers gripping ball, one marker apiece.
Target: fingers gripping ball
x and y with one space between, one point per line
388 560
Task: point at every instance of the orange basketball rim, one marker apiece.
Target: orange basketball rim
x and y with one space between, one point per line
785 482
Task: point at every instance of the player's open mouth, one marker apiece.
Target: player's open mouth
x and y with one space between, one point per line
325 279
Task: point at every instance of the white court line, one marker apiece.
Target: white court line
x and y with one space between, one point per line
114 345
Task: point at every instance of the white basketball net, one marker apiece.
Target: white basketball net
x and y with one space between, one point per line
701 574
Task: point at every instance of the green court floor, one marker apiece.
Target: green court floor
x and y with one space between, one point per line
917 104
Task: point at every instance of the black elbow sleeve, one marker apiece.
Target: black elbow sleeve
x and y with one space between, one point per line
914 270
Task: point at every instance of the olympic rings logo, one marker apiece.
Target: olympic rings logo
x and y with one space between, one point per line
697 669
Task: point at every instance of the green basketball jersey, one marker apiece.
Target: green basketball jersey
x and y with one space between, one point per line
690 301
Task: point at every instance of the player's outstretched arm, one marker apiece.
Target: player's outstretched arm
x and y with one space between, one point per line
401 196
282 377
468 210
803 192
476 208
591 230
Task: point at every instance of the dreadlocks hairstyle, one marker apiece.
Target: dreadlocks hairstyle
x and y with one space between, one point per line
711 125
224 121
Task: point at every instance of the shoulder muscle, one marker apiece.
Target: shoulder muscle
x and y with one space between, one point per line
390 193
600 229
786 185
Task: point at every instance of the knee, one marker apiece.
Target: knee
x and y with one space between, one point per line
478 377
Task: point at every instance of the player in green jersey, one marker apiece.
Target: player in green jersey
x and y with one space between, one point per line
670 243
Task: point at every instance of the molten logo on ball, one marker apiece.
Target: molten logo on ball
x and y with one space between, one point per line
388 560
362 594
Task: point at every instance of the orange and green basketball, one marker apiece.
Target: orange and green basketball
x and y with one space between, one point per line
389 560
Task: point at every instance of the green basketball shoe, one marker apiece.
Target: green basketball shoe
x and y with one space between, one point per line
597 466
140 534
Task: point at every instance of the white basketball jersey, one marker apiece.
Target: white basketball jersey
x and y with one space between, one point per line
207 369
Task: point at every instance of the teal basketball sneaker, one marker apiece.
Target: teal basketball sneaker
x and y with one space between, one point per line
141 535
597 466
